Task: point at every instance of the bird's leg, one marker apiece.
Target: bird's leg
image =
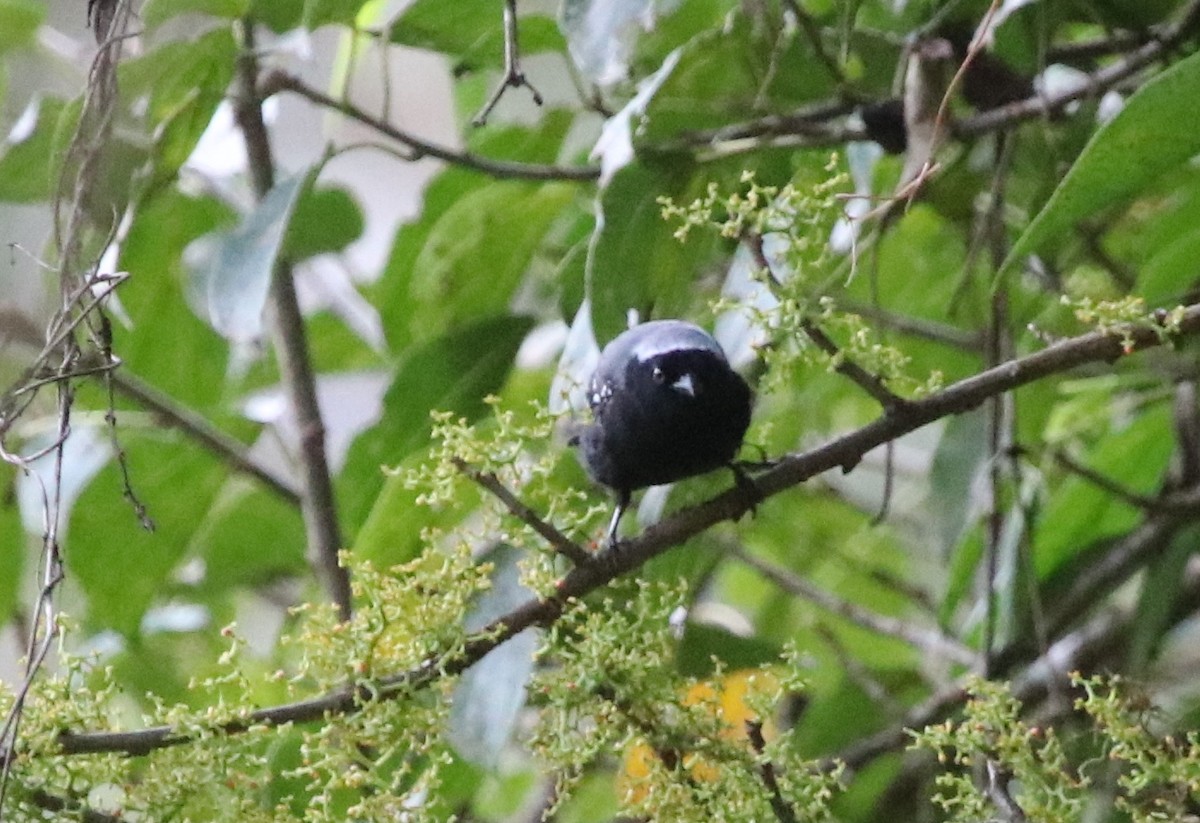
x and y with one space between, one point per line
747 486
618 513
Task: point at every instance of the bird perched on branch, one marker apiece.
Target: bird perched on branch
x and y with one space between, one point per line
666 405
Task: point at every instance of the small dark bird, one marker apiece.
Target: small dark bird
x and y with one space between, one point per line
666 405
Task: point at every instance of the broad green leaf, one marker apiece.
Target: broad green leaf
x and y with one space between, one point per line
392 295
720 77
157 12
837 716
638 264
960 454
319 13
234 283
1172 271
452 373
279 17
703 647
1078 513
471 258
286 788
961 573
19 22
151 666
324 220
471 31
539 143
29 168
404 317
1161 590
243 515
176 73
120 566
185 82
1147 139
392 530
13 550
170 347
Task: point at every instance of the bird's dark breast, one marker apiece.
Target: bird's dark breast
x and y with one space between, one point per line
654 433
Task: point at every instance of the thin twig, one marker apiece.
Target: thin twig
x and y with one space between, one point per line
960 74
278 81
920 327
1108 484
997 781
229 449
559 541
930 641
868 382
813 119
514 77
79 307
784 813
317 502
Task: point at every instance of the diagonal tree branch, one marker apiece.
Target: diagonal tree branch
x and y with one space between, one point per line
842 452
559 541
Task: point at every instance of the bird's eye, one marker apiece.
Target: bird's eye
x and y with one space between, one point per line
658 375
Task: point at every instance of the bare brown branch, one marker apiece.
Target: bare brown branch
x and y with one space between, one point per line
501 169
844 451
317 501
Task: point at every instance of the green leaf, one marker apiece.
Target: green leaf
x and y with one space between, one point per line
13 548
319 13
703 647
1171 272
192 367
29 168
1148 138
472 257
1079 513
246 514
279 17
325 220
961 452
837 716
1161 589
453 373
235 283
174 73
120 566
638 263
471 31
185 82
19 22
156 12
